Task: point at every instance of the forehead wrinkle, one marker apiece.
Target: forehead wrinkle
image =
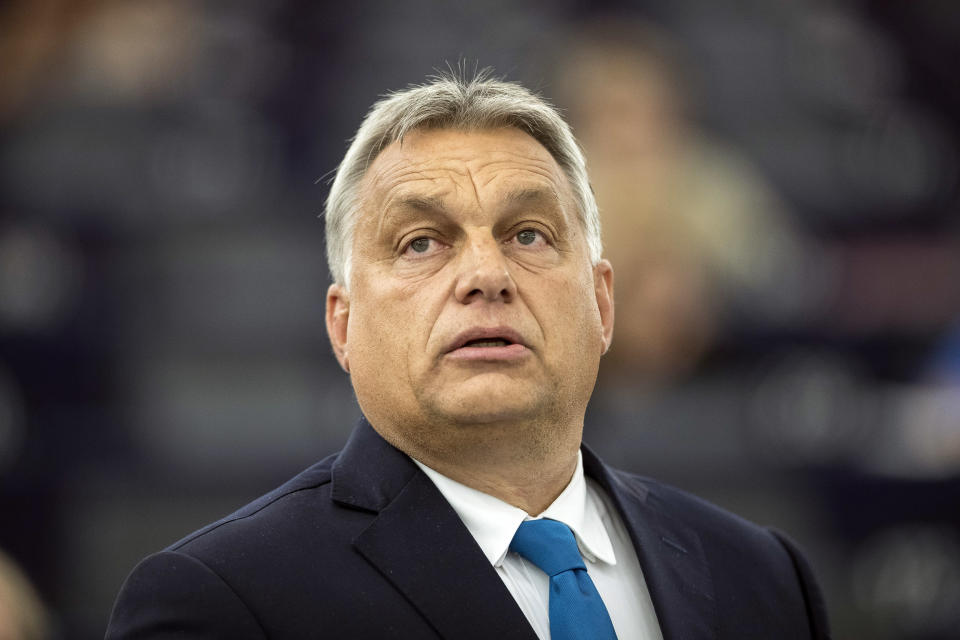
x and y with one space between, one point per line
394 182
476 189
404 173
543 172
390 169
532 164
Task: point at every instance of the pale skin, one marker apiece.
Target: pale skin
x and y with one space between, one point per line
474 236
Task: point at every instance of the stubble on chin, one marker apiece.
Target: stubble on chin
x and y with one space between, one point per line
473 429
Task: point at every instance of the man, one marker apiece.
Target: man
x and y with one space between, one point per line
470 307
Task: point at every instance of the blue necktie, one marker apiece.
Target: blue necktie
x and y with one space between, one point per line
576 609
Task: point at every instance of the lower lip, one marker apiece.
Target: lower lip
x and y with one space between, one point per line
506 353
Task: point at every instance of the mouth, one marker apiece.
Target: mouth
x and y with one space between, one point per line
485 338
494 343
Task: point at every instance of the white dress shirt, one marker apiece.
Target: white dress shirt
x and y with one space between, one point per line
601 536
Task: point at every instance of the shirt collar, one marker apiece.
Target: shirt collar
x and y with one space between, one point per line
493 523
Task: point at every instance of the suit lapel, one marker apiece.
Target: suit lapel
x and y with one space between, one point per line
670 554
419 544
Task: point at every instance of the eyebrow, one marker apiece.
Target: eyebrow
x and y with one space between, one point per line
406 205
421 203
535 195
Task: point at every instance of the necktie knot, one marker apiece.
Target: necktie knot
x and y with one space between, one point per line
548 544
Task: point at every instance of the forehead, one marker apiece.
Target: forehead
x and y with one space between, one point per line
450 162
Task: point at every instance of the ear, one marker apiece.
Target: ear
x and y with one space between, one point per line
603 287
338 313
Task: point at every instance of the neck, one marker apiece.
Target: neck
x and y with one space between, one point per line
532 490
527 467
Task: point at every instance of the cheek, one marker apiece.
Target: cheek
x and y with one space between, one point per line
566 309
391 324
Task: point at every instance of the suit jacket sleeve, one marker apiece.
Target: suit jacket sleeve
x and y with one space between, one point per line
173 595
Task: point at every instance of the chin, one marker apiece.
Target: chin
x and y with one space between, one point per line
485 405
478 417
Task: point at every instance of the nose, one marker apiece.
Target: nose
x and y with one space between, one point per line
483 273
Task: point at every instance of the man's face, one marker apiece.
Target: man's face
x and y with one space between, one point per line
472 298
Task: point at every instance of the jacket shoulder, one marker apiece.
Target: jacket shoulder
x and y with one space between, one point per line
172 590
707 518
748 563
243 576
263 510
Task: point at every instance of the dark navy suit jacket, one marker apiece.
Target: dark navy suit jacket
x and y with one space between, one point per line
363 545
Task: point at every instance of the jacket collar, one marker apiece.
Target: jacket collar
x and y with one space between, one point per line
369 472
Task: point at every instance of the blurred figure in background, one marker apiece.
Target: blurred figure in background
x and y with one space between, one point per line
695 232
22 614
95 51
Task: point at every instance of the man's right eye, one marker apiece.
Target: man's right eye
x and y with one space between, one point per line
422 247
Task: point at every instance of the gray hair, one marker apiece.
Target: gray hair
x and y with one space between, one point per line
452 101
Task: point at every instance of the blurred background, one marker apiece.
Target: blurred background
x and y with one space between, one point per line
779 188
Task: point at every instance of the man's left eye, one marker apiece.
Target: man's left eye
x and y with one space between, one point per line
527 236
